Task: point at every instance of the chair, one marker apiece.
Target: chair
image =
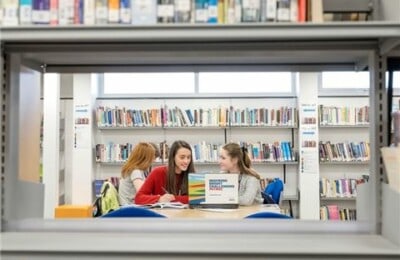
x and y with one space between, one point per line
266 214
273 191
133 212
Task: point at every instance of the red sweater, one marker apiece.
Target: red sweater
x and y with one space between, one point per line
154 186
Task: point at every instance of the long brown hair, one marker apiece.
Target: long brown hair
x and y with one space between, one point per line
141 157
235 151
171 182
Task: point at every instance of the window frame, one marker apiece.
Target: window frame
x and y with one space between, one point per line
196 94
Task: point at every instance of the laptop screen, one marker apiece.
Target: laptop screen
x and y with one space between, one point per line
213 190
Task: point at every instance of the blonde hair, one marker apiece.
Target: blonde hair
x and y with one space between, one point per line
244 163
141 157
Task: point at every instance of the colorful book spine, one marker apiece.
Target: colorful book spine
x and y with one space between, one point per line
101 11
66 12
10 12
89 12
78 12
212 11
25 12
268 10
113 11
165 11
251 10
294 11
182 11
41 11
54 19
201 11
125 16
144 12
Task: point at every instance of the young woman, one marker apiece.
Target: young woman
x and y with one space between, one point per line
169 182
235 160
135 171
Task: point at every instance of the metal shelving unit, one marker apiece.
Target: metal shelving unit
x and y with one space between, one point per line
294 47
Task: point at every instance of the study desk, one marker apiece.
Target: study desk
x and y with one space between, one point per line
238 213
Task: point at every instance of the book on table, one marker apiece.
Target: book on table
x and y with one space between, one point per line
164 205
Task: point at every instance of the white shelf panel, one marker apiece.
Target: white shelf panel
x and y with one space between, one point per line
201 32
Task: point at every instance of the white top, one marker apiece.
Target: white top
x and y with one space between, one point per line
127 190
249 190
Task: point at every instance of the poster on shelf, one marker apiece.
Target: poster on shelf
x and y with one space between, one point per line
308 115
308 139
81 126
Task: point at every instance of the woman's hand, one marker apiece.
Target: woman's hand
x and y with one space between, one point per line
166 198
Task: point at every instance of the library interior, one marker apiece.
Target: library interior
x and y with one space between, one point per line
309 90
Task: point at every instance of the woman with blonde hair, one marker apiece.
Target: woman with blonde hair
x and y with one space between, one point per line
135 171
235 160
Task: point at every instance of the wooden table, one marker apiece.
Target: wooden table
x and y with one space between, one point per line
238 213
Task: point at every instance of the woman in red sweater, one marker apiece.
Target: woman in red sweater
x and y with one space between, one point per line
169 183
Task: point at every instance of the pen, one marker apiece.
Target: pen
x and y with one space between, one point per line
165 190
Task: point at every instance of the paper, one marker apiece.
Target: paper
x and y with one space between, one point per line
217 210
165 205
391 160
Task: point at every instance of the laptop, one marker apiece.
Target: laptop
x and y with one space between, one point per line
213 190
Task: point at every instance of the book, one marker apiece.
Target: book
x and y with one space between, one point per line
165 205
251 11
41 11
125 11
10 12
182 11
65 12
113 11
165 11
201 11
144 12
101 11
54 19
89 11
25 11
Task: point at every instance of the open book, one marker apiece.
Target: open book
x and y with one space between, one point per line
161 205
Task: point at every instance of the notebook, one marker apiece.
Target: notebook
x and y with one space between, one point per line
213 190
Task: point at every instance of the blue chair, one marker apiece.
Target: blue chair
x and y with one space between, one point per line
133 212
273 191
266 214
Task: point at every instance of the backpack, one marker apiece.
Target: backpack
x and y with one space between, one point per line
107 201
272 193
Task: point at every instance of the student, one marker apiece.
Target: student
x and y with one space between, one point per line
169 182
135 171
235 160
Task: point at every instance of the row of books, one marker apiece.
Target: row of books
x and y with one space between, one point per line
208 117
344 152
278 151
339 188
202 152
332 115
91 12
332 212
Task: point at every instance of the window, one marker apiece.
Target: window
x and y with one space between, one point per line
244 82
197 83
348 79
147 83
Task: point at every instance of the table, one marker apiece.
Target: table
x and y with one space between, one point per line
238 213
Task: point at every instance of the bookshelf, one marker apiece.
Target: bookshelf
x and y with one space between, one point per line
344 149
263 128
176 12
105 48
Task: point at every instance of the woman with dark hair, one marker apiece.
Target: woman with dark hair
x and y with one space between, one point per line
169 183
235 160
